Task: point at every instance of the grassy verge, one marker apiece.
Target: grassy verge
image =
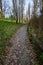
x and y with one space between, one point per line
8 20
7 29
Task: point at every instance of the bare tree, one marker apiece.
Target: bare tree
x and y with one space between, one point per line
14 9
21 9
42 6
4 7
1 5
29 10
18 9
15 12
35 6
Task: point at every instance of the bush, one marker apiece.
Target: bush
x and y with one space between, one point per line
41 56
35 31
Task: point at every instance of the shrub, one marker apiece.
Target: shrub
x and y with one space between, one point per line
41 56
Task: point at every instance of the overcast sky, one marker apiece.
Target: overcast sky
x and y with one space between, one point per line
26 5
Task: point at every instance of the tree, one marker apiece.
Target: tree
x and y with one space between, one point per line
42 6
15 12
14 8
1 5
35 6
18 9
1 13
4 7
29 10
21 9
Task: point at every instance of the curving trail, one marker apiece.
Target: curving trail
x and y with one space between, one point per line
19 54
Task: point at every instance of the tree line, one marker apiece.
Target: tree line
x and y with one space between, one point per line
37 5
17 9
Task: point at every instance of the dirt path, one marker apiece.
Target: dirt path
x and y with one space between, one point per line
19 54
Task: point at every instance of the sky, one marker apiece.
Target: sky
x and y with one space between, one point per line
26 5
6 7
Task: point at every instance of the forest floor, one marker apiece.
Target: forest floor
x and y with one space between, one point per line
21 52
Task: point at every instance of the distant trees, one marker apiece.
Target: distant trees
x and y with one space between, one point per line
18 9
37 16
15 10
35 6
22 9
32 12
4 7
38 4
28 10
1 14
1 5
42 6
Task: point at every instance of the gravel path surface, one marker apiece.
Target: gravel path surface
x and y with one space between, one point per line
19 54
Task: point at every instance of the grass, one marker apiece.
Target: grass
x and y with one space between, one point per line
7 20
7 29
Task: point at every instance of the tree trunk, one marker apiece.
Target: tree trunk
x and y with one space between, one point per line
1 5
16 18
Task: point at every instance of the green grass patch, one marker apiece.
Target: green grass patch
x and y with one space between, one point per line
7 29
8 20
